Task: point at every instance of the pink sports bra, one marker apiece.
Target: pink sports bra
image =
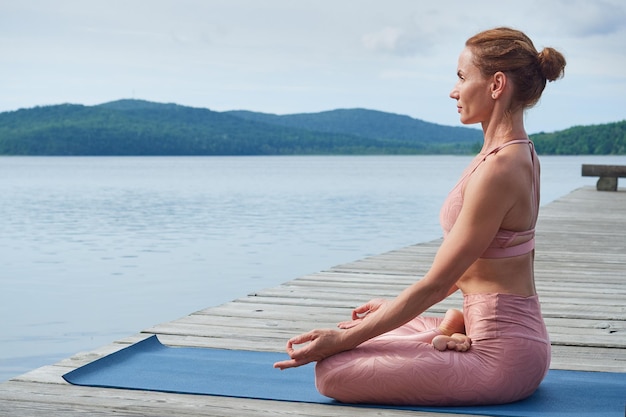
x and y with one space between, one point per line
500 247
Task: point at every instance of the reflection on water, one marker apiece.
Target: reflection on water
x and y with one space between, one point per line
95 249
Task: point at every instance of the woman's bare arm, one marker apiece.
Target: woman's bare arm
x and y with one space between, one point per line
487 200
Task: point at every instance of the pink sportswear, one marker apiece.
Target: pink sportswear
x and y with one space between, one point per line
500 247
508 359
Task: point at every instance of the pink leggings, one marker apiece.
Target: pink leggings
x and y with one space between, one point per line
509 357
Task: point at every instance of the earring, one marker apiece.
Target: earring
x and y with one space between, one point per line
493 96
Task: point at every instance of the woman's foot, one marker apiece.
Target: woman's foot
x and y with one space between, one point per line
457 341
453 322
453 329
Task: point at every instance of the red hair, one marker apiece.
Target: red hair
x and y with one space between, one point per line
513 53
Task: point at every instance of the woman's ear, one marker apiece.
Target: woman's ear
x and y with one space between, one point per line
498 84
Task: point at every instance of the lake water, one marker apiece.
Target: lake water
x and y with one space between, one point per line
95 249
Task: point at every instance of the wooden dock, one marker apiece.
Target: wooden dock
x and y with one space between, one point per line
580 274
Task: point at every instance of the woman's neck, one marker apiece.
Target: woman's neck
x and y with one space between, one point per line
503 128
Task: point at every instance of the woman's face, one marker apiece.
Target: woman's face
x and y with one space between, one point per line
472 91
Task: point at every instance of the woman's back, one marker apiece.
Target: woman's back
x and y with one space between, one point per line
506 264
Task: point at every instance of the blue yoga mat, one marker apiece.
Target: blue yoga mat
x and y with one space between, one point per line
149 365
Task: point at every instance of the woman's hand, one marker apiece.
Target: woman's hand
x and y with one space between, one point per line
324 343
321 344
362 312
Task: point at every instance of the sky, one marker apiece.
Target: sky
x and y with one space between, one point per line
302 56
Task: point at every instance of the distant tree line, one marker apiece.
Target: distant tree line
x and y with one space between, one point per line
605 139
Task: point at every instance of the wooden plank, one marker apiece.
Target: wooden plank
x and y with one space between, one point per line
28 399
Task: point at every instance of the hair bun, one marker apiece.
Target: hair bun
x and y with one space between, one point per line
552 64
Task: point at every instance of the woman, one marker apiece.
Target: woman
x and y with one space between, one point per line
385 353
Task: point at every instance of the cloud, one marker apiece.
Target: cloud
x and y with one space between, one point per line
415 33
598 18
582 19
393 40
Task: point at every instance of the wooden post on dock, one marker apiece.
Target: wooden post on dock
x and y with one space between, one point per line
608 175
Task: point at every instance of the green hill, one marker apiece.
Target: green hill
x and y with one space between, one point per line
136 127
369 124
